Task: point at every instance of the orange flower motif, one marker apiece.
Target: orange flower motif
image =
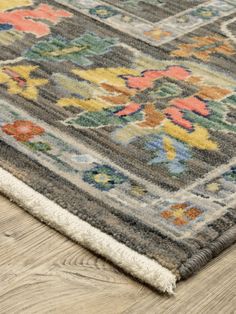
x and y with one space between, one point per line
157 33
180 221
181 214
193 213
203 47
23 130
167 214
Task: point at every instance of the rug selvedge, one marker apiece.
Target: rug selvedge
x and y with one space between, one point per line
171 110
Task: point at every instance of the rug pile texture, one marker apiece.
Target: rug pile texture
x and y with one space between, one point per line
117 127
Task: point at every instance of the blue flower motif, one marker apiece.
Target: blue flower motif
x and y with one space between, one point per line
103 11
205 13
104 177
168 151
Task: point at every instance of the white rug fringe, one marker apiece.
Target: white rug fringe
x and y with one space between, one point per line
140 266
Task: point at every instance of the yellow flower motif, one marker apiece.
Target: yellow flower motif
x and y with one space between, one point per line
101 178
213 187
19 82
116 91
113 76
11 4
199 138
137 190
169 148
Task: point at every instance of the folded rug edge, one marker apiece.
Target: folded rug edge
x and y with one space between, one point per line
138 265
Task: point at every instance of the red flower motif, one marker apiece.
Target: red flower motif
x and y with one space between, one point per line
23 130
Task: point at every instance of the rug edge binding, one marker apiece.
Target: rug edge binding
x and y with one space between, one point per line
196 262
138 265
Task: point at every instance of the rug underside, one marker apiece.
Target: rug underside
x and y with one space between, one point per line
117 127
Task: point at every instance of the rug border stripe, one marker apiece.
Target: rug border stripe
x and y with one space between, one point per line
138 265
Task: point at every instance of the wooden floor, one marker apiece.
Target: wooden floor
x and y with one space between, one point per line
43 272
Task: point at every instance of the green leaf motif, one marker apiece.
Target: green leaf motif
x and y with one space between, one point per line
217 120
78 50
38 146
102 118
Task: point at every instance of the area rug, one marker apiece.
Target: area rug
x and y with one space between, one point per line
117 127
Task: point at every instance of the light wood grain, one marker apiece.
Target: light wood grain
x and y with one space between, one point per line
43 272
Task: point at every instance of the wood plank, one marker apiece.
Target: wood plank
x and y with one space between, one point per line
41 271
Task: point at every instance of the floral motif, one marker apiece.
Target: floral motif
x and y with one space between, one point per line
41 140
28 20
203 47
218 110
104 177
181 214
77 50
164 89
137 190
170 109
23 130
179 106
221 187
168 151
19 82
111 93
230 175
148 78
213 187
103 11
157 33
183 19
205 13
110 116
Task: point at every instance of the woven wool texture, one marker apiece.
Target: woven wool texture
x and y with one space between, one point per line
117 127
